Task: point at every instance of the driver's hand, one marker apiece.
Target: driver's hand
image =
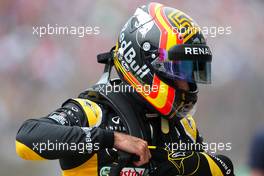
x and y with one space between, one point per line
133 145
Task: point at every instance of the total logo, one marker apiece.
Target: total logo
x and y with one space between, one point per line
126 171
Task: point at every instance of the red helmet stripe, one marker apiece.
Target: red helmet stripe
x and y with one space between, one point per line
154 7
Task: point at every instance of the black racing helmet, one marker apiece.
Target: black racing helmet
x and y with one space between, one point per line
158 46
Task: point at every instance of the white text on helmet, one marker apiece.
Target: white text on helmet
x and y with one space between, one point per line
127 52
197 51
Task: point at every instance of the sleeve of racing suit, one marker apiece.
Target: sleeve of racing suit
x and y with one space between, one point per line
59 134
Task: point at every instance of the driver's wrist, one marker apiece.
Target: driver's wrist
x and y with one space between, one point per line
108 138
117 139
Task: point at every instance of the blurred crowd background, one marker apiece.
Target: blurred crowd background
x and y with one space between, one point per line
38 74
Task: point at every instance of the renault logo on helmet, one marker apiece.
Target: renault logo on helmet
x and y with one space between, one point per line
197 51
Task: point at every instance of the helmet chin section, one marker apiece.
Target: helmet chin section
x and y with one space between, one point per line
184 104
193 87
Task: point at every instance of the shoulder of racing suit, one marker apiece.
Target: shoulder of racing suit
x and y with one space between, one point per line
92 111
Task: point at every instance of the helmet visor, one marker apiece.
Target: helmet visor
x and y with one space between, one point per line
172 65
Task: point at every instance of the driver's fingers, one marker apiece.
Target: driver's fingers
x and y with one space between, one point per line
141 161
149 153
143 153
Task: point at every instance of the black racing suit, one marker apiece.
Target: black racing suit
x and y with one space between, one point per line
80 135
